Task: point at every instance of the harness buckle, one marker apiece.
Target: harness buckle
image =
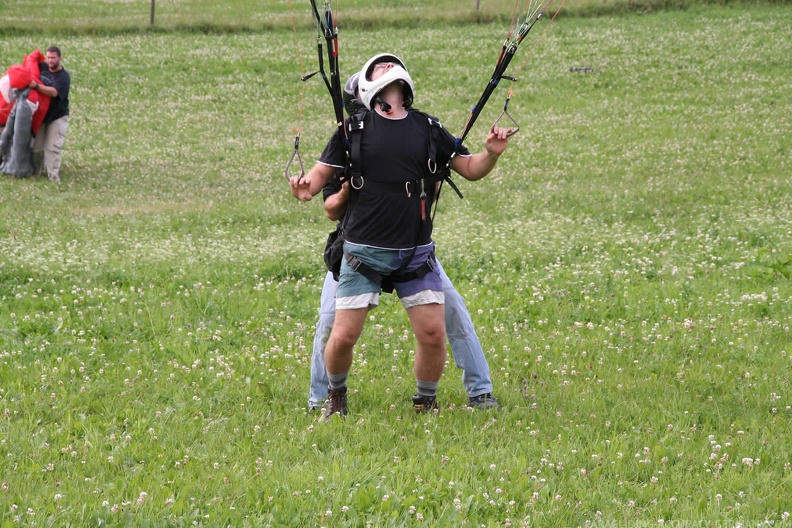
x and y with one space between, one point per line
352 261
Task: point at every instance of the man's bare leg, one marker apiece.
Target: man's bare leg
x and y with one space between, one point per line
338 357
429 327
346 331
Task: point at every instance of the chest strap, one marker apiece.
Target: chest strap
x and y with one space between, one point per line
409 187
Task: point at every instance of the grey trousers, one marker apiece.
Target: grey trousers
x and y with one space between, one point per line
48 146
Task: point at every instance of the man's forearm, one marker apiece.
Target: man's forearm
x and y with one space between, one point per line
480 165
336 205
475 167
309 185
46 90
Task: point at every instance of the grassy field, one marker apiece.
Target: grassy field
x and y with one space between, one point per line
627 265
94 17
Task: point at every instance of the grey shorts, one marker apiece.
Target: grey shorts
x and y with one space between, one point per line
355 290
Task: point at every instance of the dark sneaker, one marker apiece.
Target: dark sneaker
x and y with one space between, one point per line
483 401
336 403
424 404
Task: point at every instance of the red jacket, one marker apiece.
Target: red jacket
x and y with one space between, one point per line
20 77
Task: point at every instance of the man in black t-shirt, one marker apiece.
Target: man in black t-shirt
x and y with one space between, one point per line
389 227
48 146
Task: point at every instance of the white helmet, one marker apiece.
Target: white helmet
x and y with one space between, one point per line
369 89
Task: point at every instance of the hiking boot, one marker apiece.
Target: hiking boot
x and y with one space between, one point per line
336 403
483 401
424 404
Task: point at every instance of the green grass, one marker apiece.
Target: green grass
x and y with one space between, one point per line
626 265
112 16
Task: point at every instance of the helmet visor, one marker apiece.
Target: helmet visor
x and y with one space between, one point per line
380 61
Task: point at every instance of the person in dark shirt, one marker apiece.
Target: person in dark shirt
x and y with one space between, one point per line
388 229
48 145
462 337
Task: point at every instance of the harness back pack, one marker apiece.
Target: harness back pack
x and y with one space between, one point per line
432 175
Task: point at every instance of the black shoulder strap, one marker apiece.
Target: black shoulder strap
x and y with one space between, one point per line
441 174
435 127
355 125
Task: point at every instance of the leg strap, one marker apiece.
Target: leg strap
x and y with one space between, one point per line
386 282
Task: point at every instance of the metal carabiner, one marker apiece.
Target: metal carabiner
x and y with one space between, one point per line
431 165
296 155
353 181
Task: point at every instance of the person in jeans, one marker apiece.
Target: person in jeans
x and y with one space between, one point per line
465 346
388 229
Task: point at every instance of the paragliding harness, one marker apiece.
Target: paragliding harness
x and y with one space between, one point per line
327 30
432 175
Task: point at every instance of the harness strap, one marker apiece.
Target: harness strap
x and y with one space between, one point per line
355 127
386 282
445 172
453 185
410 187
434 127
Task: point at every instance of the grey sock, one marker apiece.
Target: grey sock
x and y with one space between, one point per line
427 388
338 381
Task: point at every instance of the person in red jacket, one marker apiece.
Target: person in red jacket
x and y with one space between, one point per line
21 76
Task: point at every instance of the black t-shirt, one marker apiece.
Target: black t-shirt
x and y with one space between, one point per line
61 81
386 212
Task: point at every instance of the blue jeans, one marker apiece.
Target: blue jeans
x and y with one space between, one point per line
462 337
